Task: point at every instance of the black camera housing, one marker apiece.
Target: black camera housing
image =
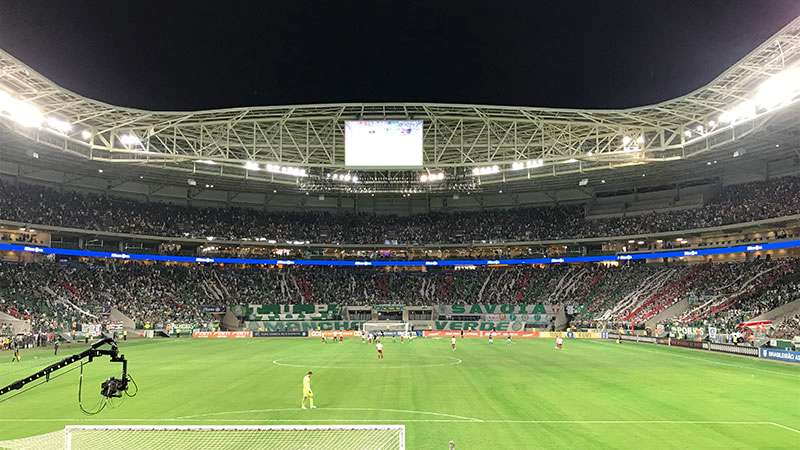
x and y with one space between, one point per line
113 387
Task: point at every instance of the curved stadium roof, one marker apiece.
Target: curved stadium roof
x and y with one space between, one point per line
514 143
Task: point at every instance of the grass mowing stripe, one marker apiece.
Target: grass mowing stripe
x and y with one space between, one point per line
589 395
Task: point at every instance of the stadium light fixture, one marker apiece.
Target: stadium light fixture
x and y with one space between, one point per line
287 170
486 170
86 135
431 177
99 170
744 111
529 164
571 161
583 182
252 165
62 126
207 161
24 113
779 89
130 140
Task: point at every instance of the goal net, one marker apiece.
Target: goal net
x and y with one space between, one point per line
390 328
214 437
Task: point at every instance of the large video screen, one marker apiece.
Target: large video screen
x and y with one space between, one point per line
383 143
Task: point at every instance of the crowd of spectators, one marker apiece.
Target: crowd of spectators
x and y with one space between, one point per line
788 329
58 295
37 205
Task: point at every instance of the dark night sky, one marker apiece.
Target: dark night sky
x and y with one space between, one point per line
187 55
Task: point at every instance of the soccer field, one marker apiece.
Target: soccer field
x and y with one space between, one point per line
592 394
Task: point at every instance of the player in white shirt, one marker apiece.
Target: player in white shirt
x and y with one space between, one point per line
559 342
453 343
379 348
491 337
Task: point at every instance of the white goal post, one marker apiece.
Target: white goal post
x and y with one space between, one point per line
235 437
391 328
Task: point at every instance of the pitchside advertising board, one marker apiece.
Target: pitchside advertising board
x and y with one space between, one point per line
514 334
780 354
326 325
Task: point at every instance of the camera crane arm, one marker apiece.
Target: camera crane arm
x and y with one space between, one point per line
92 352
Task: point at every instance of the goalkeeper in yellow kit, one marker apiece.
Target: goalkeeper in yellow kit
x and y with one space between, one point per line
307 392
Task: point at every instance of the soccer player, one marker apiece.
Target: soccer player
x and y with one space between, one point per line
453 343
491 337
508 338
308 394
16 354
559 342
379 348
55 346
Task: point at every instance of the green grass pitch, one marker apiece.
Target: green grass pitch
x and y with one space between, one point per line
592 394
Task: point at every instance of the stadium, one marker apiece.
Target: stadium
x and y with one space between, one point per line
391 275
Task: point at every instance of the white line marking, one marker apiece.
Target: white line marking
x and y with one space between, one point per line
454 362
407 411
710 361
785 427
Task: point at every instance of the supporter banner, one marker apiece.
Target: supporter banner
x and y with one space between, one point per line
328 325
222 334
388 307
271 312
730 348
479 326
780 354
214 309
182 328
114 325
280 333
507 309
92 329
